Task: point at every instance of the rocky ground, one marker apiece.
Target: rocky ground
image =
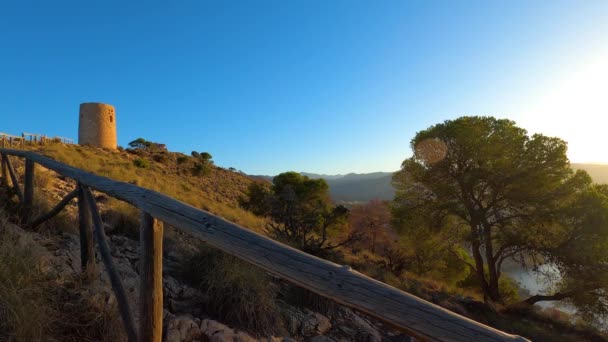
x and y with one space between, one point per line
184 320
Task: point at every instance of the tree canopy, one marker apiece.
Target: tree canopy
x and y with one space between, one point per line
143 144
504 194
300 210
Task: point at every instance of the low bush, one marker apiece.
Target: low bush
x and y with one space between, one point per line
201 169
141 163
239 294
162 158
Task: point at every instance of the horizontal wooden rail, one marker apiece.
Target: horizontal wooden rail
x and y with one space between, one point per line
67 199
10 136
417 317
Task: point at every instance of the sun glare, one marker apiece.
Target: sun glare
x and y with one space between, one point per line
576 109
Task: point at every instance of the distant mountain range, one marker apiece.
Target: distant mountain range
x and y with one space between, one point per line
355 187
358 187
598 172
363 187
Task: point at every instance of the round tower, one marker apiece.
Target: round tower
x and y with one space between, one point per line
97 125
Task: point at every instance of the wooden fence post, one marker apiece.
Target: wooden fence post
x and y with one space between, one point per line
28 189
87 247
14 180
106 257
4 171
151 279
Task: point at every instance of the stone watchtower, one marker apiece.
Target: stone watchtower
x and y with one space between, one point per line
97 125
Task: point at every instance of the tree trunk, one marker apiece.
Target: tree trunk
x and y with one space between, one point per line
479 270
373 241
492 271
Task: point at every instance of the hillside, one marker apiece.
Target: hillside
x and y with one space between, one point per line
208 293
170 173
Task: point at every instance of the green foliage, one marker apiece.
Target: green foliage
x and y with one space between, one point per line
200 169
203 164
162 157
237 293
301 212
181 159
509 290
204 157
484 183
258 199
581 253
143 144
141 163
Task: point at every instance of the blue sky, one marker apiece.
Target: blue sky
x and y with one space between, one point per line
317 86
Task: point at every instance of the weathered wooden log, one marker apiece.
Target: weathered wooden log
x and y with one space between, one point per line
28 189
14 179
417 317
151 279
106 257
42 218
87 246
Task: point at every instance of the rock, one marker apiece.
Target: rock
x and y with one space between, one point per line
314 324
173 336
321 338
304 322
218 332
353 327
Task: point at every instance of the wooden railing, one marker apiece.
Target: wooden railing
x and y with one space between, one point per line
415 316
14 141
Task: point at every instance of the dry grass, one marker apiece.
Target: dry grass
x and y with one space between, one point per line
25 305
216 192
35 307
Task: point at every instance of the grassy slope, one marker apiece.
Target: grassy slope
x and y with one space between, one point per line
217 192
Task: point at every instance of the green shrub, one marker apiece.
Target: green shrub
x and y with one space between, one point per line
141 163
239 294
182 159
162 158
201 169
508 289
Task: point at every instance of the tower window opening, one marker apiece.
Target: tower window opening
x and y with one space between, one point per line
111 118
